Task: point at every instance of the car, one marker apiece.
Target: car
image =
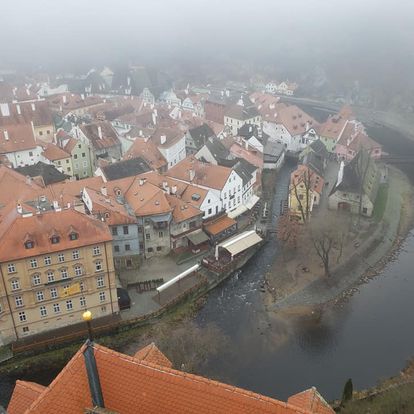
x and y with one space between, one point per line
124 301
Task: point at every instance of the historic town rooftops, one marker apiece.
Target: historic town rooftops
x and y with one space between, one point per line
43 227
53 153
167 137
128 383
67 102
125 168
333 126
252 156
17 137
182 210
355 138
148 151
151 353
219 224
219 152
240 112
49 173
245 170
100 134
201 134
37 112
311 400
295 120
311 180
24 394
194 171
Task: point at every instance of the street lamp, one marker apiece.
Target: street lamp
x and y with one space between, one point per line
87 317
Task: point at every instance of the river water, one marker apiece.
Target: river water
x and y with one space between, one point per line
369 338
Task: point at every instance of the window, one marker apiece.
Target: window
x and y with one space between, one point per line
25 329
128 263
125 228
15 284
102 297
61 257
43 311
11 268
100 282
75 255
147 236
160 234
48 260
127 247
300 196
73 236
96 250
31 152
85 164
36 279
364 210
75 156
150 250
19 301
83 155
139 229
98 266
56 307
22 317
116 249
67 162
29 244
114 231
40 296
79 146
78 270
64 273
82 286
82 301
33 263
53 293
69 305
209 211
141 246
55 239
159 248
50 276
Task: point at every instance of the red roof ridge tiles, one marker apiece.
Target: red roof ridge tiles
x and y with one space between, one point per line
151 353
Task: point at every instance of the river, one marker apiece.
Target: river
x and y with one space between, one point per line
369 338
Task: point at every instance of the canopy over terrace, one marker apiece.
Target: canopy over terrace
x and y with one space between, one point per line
239 243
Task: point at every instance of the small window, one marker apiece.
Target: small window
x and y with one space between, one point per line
64 273
15 284
40 296
150 250
53 293
147 236
100 282
22 317
33 263
128 263
159 248
43 311
29 244
127 247
61 257
98 266
102 296
55 239
160 234
114 231
56 308
47 260
116 249
73 236
96 250
126 230
75 254
83 155
82 301
30 153
36 279
78 270
19 301
25 329
50 276
75 156
11 268
69 305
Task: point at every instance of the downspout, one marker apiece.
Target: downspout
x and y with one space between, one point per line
109 279
8 303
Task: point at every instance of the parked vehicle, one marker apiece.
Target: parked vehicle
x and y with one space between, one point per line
124 301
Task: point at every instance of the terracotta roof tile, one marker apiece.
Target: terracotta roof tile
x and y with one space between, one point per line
108 136
130 386
24 394
295 120
151 353
53 153
16 137
182 210
147 150
311 400
219 224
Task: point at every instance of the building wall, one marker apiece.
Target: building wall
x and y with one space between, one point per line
154 237
235 123
329 143
81 160
25 157
175 153
125 246
44 132
339 198
232 192
179 230
96 286
65 165
211 204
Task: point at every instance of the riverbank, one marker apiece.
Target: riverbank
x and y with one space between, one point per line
310 291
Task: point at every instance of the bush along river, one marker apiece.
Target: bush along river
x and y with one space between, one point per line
368 338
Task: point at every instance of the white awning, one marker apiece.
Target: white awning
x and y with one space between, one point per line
252 201
177 278
239 243
237 211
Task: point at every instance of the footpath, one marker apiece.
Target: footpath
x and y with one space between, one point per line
367 259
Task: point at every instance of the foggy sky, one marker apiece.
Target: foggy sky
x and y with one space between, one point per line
86 32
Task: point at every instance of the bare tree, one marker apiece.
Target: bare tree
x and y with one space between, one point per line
305 204
288 230
362 164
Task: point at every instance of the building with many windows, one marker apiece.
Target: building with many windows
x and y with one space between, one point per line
53 266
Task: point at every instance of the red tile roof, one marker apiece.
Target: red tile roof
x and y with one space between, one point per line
16 137
131 386
151 353
147 150
53 153
295 120
311 400
108 137
24 394
218 225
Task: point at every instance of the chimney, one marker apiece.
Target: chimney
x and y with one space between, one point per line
19 208
19 112
173 189
142 181
227 93
6 135
140 133
28 180
154 118
82 96
191 173
163 139
246 144
100 132
33 107
64 99
104 191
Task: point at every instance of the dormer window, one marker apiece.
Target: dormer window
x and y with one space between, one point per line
73 236
55 239
29 244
